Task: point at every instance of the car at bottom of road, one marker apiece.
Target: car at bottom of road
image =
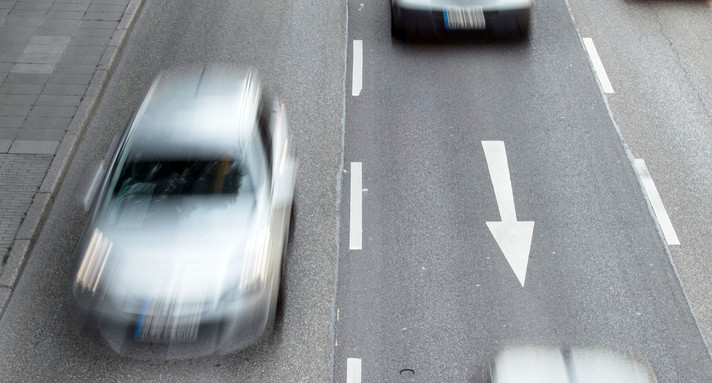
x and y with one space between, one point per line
537 364
460 18
186 236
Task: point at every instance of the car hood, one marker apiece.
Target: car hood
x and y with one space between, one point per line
190 259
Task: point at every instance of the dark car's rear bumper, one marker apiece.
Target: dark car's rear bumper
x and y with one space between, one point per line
424 23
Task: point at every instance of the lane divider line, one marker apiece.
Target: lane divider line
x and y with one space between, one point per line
657 203
355 220
353 370
597 65
357 78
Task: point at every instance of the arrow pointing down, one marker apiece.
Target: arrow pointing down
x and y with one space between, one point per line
513 237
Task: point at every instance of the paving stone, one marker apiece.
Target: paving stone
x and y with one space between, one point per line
62 23
40 134
79 50
46 99
99 24
54 123
52 111
24 78
5 145
38 58
70 79
50 39
87 41
28 12
74 1
94 7
4 4
17 29
33 68
55 49
21 88
102 16
94 32
33 147
111 2
8 133
56 30
74 69
11 123
17 99
12 37
32 5
69 7
15 110
69 15
23 20
8 57
80 59
16 48
61 89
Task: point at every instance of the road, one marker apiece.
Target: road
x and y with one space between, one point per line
427 294
298 49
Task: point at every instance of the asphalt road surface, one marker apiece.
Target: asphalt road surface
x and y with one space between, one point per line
446 138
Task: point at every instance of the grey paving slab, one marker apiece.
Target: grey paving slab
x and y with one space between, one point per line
28 12
88 41
8 57
56 49
70 79
24 78
58 100
69 6
8 36
18 99
111 2
33 68
74 69
40 134
94 32
80 59
4 4
32 5
52 111
17 29
69 15
21 88
9 133
15 110
33 147
56 123
50 40
80 50
5 145
94 7
10 123
14 19
61 23
38 58
13 47
56 30
94 24
103 16
61 89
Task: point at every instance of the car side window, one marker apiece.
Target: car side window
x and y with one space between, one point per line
263 125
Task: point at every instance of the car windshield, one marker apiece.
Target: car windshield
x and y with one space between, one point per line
148 188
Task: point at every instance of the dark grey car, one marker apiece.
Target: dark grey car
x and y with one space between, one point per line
185 240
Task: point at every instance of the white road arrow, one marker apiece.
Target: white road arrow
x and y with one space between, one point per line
513 237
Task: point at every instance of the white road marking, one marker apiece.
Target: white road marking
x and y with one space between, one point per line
657 203
357 78
355 223
513 237
89 197
353 370
597 65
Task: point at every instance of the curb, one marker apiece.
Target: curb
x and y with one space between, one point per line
42 200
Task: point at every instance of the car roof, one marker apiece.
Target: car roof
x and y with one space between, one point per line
195 111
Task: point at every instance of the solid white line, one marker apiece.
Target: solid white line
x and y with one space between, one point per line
597 65
355 227
657 203
353 370
357 78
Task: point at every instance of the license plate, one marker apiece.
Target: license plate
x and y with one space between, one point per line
464 18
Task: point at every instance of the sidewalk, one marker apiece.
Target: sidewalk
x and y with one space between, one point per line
55 59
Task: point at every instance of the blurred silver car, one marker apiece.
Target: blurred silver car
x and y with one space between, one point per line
531 364
460 18
187 234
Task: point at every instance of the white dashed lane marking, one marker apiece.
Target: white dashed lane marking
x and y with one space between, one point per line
657 203
597 65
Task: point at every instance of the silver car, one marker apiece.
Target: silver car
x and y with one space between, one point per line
186 238
460 18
